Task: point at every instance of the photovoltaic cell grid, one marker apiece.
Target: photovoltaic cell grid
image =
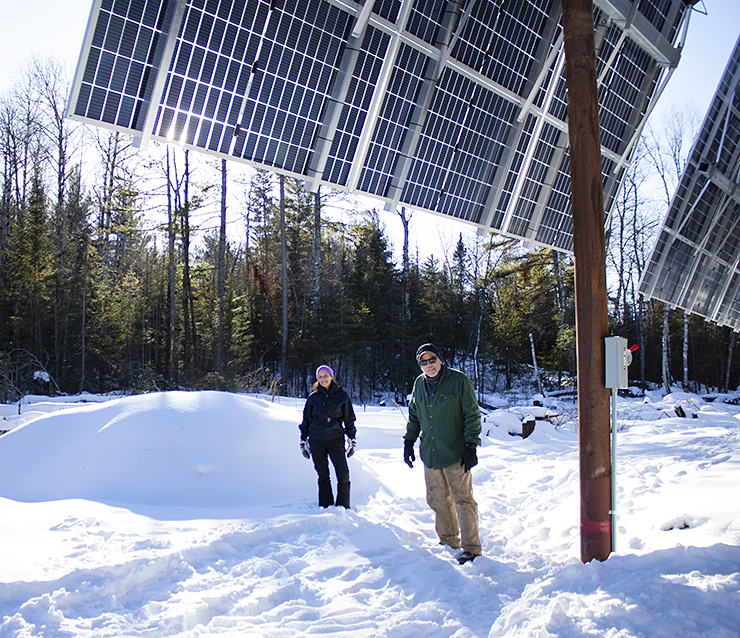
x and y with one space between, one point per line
456 108
124 50
695 264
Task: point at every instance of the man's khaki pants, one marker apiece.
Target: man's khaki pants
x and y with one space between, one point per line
450 495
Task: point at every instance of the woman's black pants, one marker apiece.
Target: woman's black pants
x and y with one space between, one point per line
321 452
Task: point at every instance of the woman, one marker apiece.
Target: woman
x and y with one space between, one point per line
327 418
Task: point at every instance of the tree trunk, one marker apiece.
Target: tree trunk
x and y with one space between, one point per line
406 318
171 268
561 306
83 327
406 299
666 351
730 348
534 363
284 262
188 303
221 272
480 298
316 302
641 338
110 185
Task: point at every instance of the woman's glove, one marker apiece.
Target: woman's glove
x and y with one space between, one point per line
306 449
351 448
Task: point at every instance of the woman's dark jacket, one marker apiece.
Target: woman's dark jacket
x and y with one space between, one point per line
328 415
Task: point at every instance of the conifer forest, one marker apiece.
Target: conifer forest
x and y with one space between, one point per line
129 270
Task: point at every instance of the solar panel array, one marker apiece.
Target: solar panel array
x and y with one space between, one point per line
695 264
456 108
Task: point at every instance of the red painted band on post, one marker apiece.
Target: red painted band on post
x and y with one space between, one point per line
597 527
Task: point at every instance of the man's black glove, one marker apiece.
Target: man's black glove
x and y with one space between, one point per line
469 457
408 453
306 449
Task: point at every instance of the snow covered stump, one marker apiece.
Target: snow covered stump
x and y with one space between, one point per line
517 420
528 426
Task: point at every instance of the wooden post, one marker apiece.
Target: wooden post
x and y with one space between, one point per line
589 248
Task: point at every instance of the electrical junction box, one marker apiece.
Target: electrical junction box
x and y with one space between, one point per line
617 360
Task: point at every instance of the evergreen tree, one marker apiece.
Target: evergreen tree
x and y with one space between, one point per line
29 258
376 299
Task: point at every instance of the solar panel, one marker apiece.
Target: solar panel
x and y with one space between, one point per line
695 264
455 108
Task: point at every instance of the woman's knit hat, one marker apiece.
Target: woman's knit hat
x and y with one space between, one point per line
324 367
431 349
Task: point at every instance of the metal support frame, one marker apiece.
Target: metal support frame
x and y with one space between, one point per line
162 71
613 511
445 43
339 94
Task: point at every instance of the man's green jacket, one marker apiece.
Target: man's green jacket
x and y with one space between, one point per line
447 420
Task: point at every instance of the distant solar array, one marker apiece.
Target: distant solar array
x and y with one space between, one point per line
456 108
695 263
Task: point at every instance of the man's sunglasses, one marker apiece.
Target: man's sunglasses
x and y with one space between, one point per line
425 362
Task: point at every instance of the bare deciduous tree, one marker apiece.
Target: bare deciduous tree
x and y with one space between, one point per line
667 150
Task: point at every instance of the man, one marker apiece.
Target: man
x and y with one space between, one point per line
443 409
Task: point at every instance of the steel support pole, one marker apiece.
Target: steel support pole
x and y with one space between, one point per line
589 248
614 469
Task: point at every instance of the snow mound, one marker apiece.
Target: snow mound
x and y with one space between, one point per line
181 449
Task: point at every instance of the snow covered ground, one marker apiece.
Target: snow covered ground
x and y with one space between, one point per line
194 514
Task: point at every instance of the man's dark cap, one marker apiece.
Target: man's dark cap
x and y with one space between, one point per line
431 349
